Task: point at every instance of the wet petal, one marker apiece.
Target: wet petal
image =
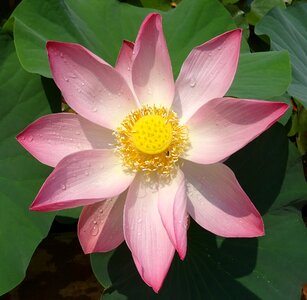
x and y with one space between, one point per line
217 202
50 138
145 234
100 227
223 126
152 74
124 62
172 203
89 85
207 73
82 178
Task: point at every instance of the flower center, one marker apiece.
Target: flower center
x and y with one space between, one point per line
151 139
152 134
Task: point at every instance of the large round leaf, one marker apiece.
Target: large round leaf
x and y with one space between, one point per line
270 267
287 30
23 99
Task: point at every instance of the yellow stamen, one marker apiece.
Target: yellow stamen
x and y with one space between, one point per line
151 139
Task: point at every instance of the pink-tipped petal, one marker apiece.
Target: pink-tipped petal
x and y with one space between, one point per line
89 85
217 202
124 62
172 204
145 234
207 73
223 126
152 74
100 227
50 138
81 179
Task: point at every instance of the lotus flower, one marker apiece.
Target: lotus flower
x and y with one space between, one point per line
143 153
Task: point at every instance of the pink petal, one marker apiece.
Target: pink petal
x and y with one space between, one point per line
83 178
223 126
100 227
145 234
152 74
217 202
52 137
124 61
207 73
172 203
89 85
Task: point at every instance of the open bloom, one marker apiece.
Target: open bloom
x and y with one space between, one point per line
143 153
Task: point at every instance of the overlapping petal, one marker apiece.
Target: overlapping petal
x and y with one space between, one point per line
50 138
152 74
217 202
207 73
124 62
89 85
83 178
223 126
100 227
145 234
172 202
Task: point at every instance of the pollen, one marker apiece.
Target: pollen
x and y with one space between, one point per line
151 139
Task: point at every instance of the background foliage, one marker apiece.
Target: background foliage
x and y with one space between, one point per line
269 169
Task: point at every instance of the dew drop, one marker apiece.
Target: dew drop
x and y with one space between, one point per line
82 83
61 54
129 69
31 138
139 220
66 79
22 137
149 91
86 173
95 230
95 222
209 54
100 210
219 48
94 109
77 132
192 82
139 234
63 187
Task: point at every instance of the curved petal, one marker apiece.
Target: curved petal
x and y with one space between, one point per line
82 178
217 202
124 62
50 138
152 74
207 73
145 234
89 85
100 226
172 202
223 126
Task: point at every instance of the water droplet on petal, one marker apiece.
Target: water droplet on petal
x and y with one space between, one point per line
61 54
219 48
66 79
139 220
30 138
63 187
94 109
139 233
100 210
149 91
86 173
77 132
95 230
128 68
192 82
